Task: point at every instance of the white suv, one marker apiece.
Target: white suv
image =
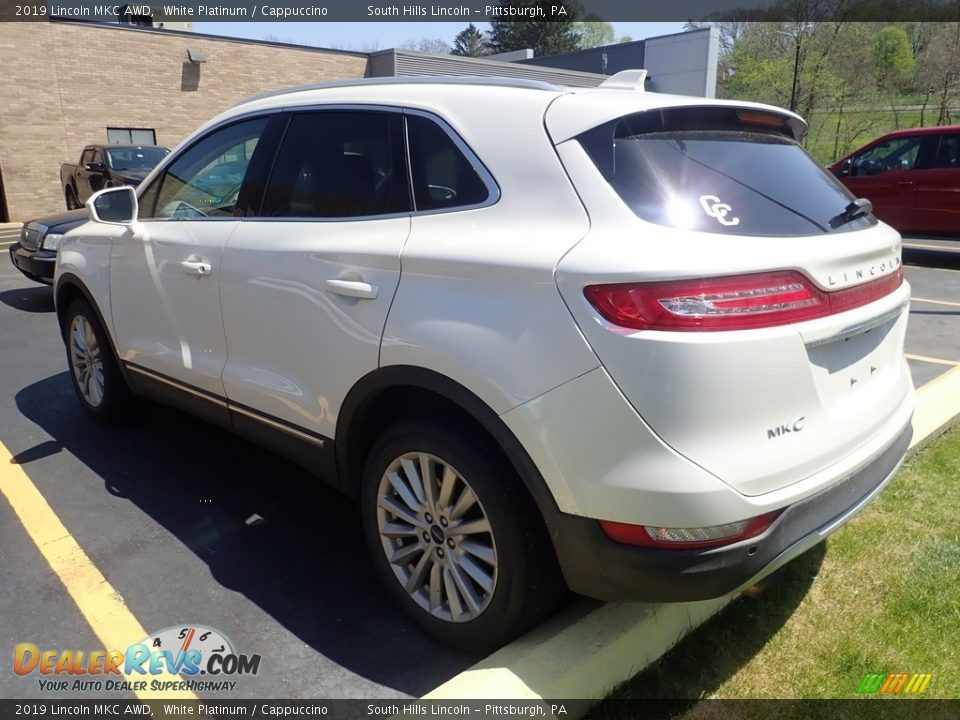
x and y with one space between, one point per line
641 344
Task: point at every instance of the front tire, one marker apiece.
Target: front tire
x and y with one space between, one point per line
455 538
96 377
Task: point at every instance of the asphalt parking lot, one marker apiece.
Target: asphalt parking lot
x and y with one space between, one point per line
193 526
161 505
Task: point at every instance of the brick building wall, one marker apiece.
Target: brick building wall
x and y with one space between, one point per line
63 84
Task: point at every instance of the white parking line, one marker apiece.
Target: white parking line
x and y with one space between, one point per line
935 302
919 246
925 358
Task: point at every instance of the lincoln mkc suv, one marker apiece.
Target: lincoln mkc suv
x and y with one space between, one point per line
638 346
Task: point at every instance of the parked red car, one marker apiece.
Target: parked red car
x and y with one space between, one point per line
912 177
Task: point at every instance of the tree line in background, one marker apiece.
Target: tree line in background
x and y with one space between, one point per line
852 81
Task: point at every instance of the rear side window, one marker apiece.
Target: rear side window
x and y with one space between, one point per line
339 164
732 179
948 153
443 176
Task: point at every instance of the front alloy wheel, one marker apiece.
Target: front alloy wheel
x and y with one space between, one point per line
86 361
93 368
436 536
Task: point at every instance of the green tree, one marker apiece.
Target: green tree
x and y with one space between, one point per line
554 34
469 42
892 56
594 34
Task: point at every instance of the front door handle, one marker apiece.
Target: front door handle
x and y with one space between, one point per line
351 288
905 183
194 265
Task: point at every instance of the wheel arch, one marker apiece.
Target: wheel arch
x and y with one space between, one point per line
370 408
68 288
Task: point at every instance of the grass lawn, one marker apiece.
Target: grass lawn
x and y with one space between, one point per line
881 595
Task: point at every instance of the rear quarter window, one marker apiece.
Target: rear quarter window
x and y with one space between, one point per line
727 180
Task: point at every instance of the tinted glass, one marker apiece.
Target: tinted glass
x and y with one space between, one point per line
205 180
722 181
135 158
442 176
339 165
894 154
948 152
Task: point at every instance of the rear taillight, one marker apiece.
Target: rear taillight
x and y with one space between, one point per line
688 538
730 303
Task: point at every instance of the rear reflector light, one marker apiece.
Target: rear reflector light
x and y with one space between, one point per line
688 538
730 303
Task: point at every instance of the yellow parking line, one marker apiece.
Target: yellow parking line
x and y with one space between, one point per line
101 606
924 358
935 302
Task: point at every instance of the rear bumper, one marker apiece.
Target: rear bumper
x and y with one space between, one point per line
38 265
596 566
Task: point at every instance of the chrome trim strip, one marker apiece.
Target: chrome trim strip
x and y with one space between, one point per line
276 424
175 384
860 328
263 419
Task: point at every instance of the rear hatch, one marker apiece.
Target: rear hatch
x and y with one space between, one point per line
745 305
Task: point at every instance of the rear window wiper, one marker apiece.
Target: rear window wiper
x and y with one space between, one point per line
856 208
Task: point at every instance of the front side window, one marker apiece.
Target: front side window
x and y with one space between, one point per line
339 164
893 154
738 180
443 177
205 181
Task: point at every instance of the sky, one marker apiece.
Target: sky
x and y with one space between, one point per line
384 35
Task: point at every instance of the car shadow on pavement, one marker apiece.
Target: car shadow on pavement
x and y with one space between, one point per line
709 656
264 527
37 299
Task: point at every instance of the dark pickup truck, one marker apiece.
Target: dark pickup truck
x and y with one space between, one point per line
103 166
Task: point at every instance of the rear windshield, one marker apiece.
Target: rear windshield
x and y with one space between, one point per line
731 180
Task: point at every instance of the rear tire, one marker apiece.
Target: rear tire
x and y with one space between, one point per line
71 199
94 371
464 554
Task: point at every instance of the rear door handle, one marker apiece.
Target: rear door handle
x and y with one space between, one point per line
905 183
194 265
351 288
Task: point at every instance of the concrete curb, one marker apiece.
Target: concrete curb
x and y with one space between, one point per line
590 648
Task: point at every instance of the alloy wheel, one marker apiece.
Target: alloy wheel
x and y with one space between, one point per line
436 537
86 360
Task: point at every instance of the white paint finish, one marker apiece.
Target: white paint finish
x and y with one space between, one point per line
477 301
166 318
296 348
714 395
85 253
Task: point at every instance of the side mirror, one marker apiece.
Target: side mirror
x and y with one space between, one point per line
95 167
114 206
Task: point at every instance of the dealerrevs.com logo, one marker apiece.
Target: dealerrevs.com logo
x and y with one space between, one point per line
895 684
151 664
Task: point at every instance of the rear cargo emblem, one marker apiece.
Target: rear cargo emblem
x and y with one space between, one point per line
714 208
781 430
